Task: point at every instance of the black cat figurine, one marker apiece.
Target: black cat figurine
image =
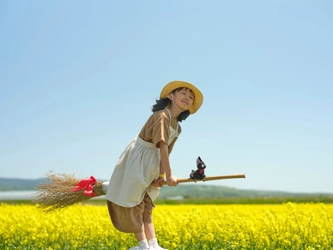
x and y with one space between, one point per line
199 174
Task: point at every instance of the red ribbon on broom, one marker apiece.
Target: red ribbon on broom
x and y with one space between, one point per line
87 185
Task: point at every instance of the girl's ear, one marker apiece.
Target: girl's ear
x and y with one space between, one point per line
170 96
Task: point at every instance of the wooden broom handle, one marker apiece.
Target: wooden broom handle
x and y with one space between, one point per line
210 178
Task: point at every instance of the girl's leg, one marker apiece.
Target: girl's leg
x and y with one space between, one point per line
148 223
151 236
142 241
140 236
149 230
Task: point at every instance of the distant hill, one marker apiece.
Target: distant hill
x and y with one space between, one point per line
187 191
197 191
13 184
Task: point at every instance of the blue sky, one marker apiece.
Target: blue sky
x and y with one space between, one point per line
78 79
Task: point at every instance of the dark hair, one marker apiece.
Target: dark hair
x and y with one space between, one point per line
164 102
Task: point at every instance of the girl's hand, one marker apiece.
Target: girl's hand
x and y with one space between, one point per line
172 180
158 182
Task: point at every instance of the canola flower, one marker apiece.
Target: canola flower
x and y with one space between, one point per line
288 226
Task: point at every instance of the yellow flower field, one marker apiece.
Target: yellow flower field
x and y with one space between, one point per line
288 226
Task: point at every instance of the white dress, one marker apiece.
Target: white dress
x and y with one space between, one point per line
136 169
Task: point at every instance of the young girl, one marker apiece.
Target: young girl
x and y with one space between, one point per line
144 164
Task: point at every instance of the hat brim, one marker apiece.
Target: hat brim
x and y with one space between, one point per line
198 97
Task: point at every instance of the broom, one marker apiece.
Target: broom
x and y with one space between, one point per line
64 190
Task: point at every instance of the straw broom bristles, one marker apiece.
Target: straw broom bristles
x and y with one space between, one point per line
57 193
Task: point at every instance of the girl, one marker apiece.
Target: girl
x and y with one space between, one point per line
144 164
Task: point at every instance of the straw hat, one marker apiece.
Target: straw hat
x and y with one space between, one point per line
198 97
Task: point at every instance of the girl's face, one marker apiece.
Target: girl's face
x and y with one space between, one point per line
183 98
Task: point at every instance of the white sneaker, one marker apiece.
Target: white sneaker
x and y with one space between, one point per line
139 248
157 248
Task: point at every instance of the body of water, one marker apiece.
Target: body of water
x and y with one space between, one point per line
16 195
24 195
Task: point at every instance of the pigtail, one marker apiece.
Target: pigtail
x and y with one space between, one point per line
163 103
183 115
